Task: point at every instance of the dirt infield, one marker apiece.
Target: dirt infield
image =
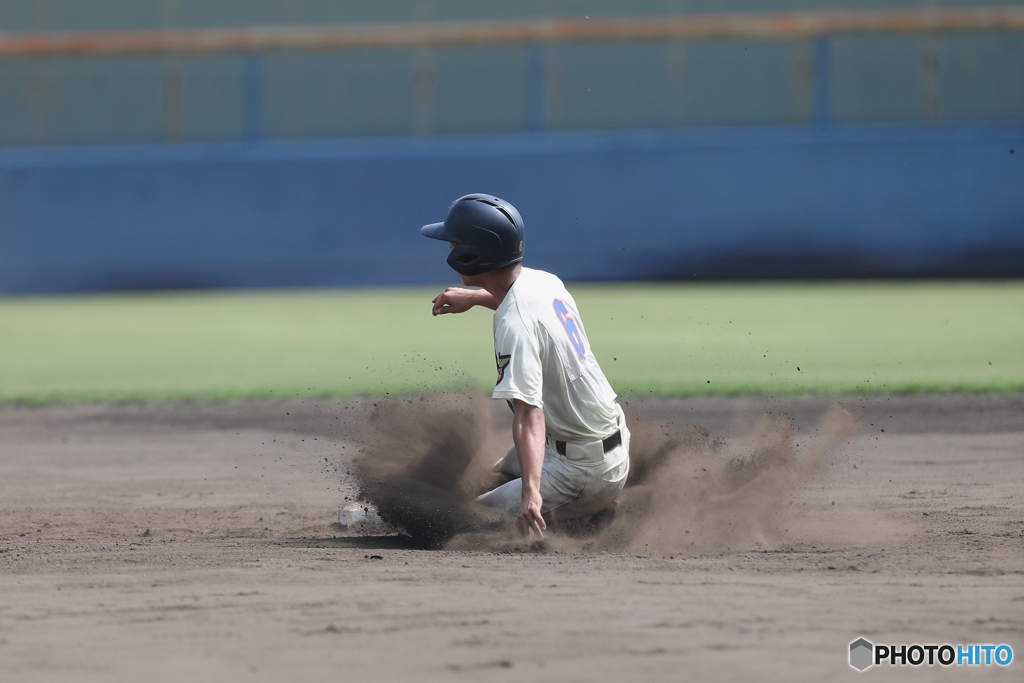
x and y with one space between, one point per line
171 540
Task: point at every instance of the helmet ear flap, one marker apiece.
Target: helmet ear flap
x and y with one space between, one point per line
464 259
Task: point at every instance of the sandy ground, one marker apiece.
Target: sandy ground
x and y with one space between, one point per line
164 541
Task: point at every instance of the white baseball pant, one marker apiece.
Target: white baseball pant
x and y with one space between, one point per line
578 484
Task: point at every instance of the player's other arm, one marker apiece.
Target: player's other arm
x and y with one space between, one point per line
528 431
460 300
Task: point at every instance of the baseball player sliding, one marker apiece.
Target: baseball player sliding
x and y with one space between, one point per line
571 452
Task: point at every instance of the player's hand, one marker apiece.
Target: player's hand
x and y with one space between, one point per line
528 519
454 300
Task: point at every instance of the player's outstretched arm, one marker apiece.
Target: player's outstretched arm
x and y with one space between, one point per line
528 429
460 300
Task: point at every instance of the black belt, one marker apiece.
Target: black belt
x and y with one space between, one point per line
611 442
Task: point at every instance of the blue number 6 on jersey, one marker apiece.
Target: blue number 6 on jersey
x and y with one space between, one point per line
573 332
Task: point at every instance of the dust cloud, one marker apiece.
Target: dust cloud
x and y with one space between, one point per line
427 461
689 492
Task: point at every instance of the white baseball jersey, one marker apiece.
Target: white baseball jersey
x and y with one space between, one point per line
544 359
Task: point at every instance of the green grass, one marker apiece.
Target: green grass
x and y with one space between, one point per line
671 339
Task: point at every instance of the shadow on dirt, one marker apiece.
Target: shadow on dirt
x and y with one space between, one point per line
388 542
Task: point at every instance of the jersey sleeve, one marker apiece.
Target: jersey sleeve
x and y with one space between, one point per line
520 370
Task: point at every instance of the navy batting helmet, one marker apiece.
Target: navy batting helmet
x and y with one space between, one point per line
487 233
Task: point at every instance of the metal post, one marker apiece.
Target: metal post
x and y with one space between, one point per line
930 79
537 87
822 91
253 97
172 101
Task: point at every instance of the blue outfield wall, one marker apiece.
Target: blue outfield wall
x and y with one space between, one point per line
811 202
